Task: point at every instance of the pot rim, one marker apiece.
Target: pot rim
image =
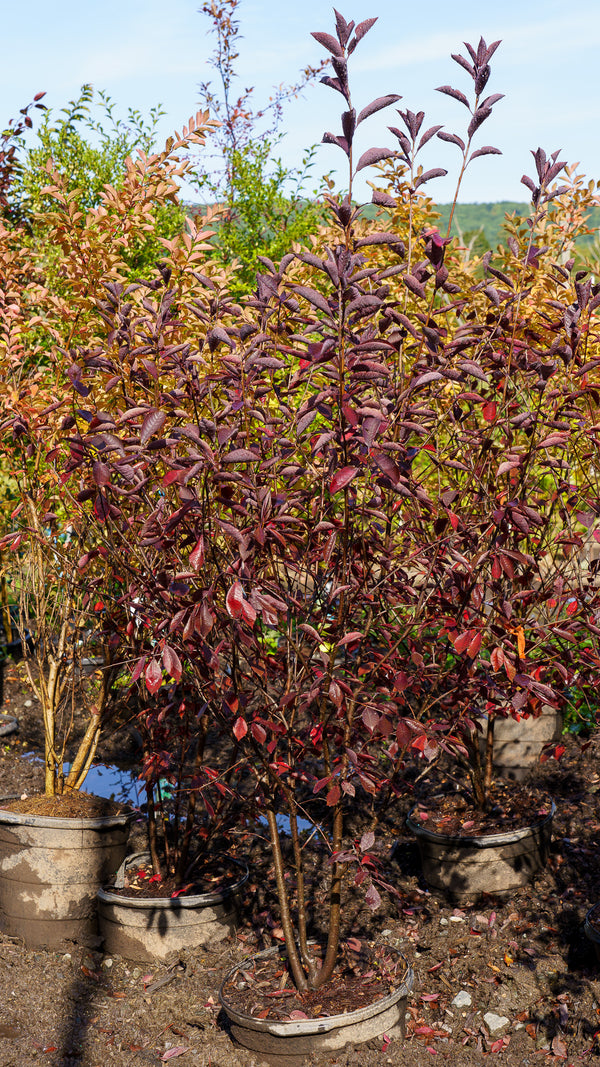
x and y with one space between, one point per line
484 840
590 931
307 1027
78 822
215 896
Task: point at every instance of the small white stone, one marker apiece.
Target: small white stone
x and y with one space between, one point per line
28 703
107 964
456 919
386 933
462 999
495 1023
443 922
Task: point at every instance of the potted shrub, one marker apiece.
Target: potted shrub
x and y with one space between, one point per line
247 497
69 840
503 397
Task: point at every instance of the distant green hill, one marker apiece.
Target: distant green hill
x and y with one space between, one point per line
489 218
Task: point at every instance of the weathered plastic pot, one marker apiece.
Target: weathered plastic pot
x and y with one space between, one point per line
309 1037
51 870
518 745
591 928
465 867
9 724
153 928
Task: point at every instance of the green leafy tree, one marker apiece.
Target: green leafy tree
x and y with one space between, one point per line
267 206
87 144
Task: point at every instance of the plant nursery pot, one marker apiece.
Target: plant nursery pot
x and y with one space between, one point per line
50 872
591 928
518 745
9 724
291 1041
154 927
466 867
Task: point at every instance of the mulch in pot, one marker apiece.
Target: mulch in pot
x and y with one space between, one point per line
210 876
511 807
71 805
264 988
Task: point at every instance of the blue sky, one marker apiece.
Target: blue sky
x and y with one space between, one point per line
144 52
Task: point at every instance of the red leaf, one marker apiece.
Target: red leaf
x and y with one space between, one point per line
489 411
234 599
349 639
171 663
342 478
335 694
475 645
367 841
463 641
197 555
333 795
240 728
153 677
258 732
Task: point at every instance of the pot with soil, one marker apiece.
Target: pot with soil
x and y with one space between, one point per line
352 1009
466 851
142 918
51 865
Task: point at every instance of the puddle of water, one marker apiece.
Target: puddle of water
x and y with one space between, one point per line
108 781
114 783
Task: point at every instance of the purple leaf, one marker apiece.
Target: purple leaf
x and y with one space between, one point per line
367 841
343 28
153 423
431 132
479 117
383 199
313 297
241 455
372 898
334 83
329 42
487 150
377 105
455 93
435 172
462 62
374 155
452 138
331 138
364 27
